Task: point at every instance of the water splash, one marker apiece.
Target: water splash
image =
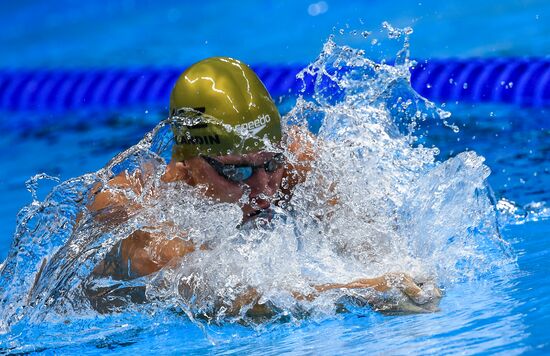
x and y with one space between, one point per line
375 201
512 214
32 184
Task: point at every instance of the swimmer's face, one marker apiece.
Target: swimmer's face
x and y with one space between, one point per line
258 190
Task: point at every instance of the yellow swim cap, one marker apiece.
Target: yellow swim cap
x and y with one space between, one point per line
215 104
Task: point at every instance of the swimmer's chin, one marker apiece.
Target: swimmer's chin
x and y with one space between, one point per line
264 214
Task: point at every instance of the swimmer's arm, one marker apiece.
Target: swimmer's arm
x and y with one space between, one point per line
142 254
384 283
110 200
112 197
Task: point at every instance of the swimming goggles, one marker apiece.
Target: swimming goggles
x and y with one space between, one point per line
238 173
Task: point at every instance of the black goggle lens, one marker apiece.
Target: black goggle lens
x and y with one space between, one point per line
238 173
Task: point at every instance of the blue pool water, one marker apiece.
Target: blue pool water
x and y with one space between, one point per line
504 310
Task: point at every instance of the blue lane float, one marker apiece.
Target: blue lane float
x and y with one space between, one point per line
520 81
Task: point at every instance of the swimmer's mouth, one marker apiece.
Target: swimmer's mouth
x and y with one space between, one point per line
266 213
258 218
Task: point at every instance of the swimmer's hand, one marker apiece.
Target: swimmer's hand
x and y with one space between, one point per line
396 280
400 293
418 297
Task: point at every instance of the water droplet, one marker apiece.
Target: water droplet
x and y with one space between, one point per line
318 8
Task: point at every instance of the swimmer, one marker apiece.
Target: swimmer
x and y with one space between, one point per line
213 103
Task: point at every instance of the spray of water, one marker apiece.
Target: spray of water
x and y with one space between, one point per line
375 201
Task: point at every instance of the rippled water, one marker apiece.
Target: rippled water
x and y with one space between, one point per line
402 205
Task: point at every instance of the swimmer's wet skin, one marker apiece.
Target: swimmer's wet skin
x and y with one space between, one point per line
228 139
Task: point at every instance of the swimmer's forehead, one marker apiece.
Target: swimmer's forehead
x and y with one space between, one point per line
251 158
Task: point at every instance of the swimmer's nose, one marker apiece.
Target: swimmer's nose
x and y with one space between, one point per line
262 184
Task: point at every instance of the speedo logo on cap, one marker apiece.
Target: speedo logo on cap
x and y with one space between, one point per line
254 127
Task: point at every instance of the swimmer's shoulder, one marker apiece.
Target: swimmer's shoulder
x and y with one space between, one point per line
302 145
108 194
175 171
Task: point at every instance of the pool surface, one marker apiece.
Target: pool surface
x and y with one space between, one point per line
498 310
